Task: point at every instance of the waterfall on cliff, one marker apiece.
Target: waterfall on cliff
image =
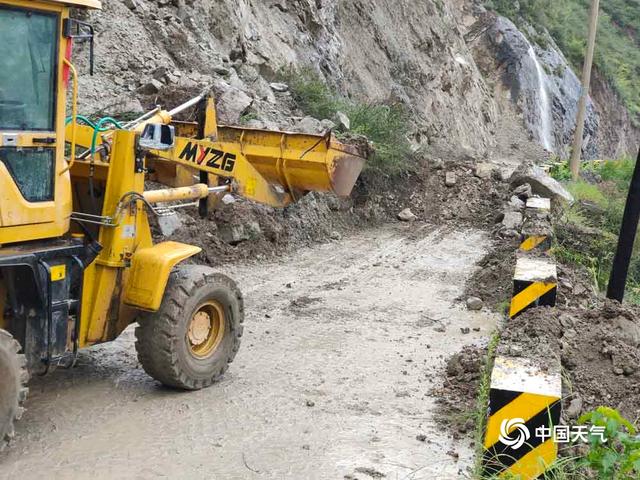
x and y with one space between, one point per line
544 103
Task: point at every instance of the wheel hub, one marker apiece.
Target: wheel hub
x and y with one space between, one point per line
200 328
206 329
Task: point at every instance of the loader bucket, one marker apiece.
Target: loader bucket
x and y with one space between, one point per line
299 162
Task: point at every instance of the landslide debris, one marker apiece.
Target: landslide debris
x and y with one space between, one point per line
598 348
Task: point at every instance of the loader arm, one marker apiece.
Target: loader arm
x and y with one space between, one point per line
226 161
270 167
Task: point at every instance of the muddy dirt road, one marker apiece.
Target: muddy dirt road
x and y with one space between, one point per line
343 343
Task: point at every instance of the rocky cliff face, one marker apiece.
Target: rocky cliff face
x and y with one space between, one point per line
453 65
618 137
538 81
373 50
536 78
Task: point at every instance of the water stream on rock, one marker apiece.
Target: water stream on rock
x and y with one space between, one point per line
545 104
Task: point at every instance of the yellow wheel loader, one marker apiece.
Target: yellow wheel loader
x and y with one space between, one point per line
77 260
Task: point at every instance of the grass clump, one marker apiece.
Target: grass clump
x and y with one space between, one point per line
312 94
480 414
587 234
384 125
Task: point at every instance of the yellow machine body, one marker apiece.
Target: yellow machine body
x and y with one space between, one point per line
126 272
21 219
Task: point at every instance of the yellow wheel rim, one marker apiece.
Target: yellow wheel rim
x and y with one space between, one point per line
206 329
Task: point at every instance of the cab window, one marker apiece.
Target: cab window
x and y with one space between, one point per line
27 69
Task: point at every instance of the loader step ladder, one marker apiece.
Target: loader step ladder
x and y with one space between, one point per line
61 310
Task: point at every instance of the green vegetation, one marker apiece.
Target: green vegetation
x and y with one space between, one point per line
617 54
385 126
616 456
587 233
480 412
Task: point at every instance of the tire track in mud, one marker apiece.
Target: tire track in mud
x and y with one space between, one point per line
344 341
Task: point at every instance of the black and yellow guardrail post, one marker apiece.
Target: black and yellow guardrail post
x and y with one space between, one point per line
537 230
525 393
535 283
524 406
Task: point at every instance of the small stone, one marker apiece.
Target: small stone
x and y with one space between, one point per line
474 303
437 163
407 215
131 4
310 403
169 224
465 330
160 72
523 191
450 179
628 370
575 408
510 233
151 87
306 447
516 204
628 331
279 87
566 321
343 121
288 285
221 70
516 350
228 199
421 437
335 236
232 104
618 371
309 125
234 234
512 220
327 125
483 170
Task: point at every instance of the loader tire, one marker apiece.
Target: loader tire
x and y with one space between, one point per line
13 386
190 341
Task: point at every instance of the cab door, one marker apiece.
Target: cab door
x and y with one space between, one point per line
34 189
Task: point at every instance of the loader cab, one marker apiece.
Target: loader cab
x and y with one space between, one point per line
35 188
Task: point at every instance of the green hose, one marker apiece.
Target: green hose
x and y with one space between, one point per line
97 128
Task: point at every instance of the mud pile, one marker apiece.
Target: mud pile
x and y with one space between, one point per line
457 398
239 229
599 350
492 282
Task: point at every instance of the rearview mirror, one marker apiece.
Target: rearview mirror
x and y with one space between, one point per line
156 136
80 31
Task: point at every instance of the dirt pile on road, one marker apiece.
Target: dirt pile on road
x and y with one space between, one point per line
457 397
492 282
599 350
241 229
